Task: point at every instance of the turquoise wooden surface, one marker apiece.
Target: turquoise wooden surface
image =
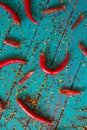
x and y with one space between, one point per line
53 33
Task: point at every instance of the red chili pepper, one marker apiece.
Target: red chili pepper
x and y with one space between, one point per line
32 114
50 71
28 11
28 75
2 105
82 48
69 92
11 61
12 12
12 43
78 21
54 9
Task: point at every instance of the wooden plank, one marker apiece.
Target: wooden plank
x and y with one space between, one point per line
34 61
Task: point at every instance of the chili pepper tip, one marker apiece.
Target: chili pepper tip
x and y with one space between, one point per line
24 62
81 93
36 23
83 15
64 6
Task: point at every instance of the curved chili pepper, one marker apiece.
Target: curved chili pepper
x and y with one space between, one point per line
32 114
12 43
69 92
54 9
50 71
12 12
28 11
78 21
82 48
28 75
11 61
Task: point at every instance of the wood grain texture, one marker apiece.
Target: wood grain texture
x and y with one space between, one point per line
54 34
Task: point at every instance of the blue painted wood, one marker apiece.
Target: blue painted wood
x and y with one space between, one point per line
54 34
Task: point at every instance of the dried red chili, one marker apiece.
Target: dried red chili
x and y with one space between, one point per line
78 21
54 9
50 71
13 43
28 75
69 92
32 114
28 11
11 61
2 105
12 12
82 48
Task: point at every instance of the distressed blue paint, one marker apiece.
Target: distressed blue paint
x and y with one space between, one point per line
47 35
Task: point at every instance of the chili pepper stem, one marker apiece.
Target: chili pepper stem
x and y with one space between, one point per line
19 24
